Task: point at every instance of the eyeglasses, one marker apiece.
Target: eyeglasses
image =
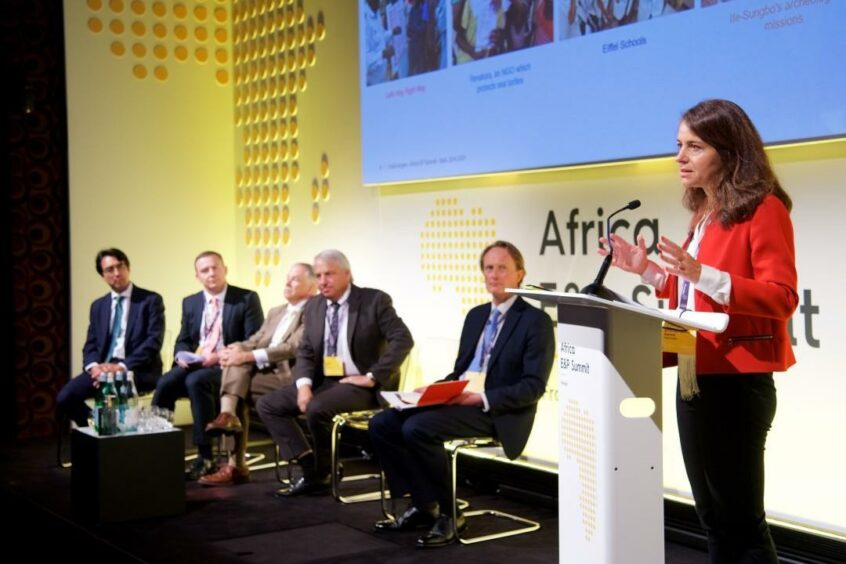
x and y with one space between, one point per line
114 268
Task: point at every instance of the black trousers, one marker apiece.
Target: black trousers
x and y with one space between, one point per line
201 386
278 410
723 433
410 447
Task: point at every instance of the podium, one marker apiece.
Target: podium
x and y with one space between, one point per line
610 479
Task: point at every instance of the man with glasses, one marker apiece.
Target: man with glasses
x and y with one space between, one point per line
125 332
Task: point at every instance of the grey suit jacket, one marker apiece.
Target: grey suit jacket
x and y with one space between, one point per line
378 339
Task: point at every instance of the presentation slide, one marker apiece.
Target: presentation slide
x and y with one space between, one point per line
463 87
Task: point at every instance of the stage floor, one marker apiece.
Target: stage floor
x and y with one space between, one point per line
245 524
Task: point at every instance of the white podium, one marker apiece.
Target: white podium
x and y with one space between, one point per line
610 488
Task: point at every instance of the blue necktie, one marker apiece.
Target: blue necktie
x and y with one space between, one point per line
116 324
487 341
332 345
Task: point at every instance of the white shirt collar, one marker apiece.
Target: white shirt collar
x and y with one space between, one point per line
504 306
343 299
126 293
221 296
296 307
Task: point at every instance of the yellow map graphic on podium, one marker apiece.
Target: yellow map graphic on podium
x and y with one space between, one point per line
578 434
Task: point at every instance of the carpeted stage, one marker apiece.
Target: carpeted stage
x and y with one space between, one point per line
247 524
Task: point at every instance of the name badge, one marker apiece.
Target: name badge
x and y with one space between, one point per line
333 366
679 342
475 382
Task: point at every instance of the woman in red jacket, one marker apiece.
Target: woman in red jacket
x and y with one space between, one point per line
738 258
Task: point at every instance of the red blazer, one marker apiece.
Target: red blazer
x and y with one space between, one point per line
759 255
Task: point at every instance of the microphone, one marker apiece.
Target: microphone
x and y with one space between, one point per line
596 288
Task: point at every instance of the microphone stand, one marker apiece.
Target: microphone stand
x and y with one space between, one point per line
596 288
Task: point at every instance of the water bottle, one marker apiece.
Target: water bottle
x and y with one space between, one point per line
99 401
120 400
131 420
108 413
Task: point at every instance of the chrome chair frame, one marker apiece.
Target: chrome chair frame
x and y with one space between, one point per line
355 420
360 420
453 448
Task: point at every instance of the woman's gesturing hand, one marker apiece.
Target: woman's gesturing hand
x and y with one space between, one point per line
628 257
678 261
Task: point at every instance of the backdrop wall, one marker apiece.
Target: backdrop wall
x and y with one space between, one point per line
255 153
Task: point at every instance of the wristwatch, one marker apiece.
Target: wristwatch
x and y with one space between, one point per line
371 376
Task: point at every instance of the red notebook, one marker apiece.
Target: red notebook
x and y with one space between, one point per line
441 392
434 394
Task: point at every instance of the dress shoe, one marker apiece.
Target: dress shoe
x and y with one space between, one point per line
413 519
306 486
442 532
224 424
227 476
199 468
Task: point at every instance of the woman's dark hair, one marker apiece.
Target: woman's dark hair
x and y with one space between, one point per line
746 176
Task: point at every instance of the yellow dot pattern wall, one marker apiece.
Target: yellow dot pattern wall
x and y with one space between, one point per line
260 48
451 241
274 44
155 37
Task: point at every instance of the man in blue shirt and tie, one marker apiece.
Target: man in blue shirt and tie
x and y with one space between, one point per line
507 344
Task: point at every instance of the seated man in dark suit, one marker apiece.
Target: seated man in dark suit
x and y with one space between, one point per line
218 315
125 332
353 346
256 367
509 342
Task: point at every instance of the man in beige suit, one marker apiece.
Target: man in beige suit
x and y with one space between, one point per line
257 366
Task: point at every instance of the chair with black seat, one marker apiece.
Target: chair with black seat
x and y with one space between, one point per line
455 447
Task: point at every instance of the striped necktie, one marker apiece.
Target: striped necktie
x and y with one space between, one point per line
332 344
490 332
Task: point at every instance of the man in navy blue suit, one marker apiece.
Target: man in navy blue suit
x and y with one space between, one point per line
512 346
211 319
125 332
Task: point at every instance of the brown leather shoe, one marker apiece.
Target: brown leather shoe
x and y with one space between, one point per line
224 424
226 476
199 468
